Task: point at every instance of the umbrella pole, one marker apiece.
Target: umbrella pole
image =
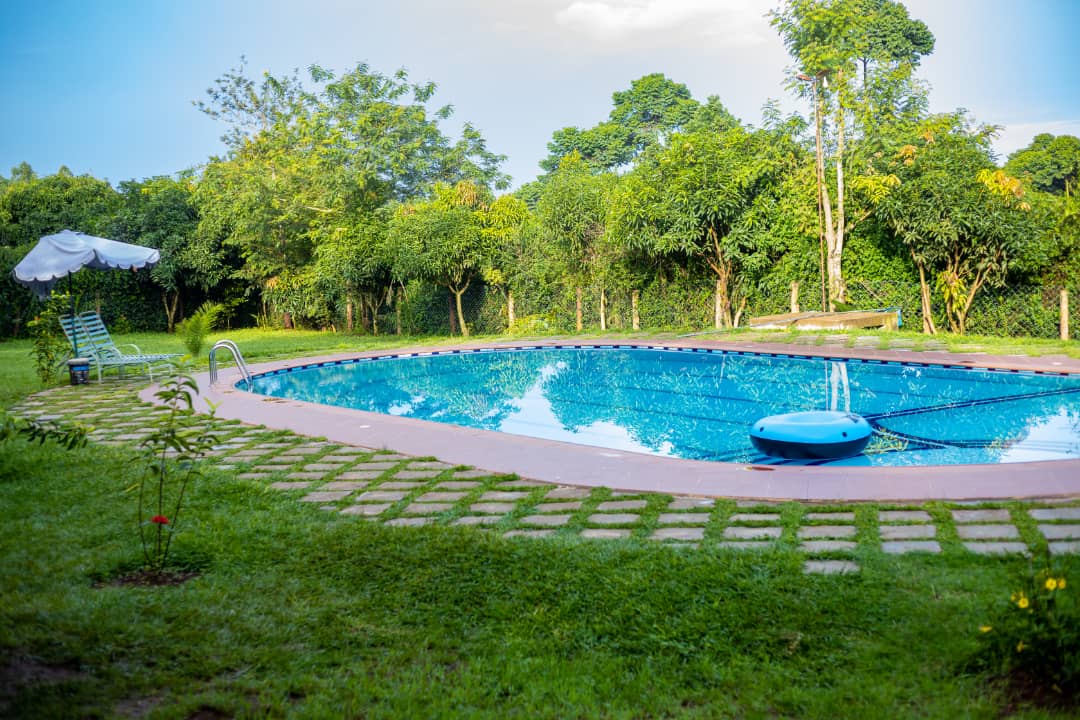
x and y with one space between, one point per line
74 327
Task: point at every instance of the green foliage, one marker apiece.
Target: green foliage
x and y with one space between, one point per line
70 437
50 345
179 439
1051 164
1034 639
195 327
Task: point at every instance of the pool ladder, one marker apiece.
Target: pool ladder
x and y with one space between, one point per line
240 364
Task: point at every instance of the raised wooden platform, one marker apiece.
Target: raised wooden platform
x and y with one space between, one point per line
815 320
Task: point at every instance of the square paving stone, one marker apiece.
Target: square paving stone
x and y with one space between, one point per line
558 506
1060 532
755 503
545 519
299 449
427 508
478 520
977 516
359 475
604 534
457 485
614 518
340 459
830 567
500 495
369 509
400 485
827 531
253 476
755 517
820 546
986 532
351 451
441 497
326 467
492 507
269 468
745 544
416 474
280 460
320 496
687 503
908 546
429 465
344 485
386 457
1064 548
1070 513
997 548
681 533
622 505
470 474
680 518
519 483
379 466
248 453
907 532
306 475
833 516
752 533
568 493
381 495
887 516
290 485
528 533
273 445
411 521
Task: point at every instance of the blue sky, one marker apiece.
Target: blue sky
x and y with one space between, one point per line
106 87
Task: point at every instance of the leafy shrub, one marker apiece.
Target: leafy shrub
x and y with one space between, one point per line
194 328
1035 637
50 345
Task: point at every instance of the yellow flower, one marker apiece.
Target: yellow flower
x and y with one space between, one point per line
1061 583
1051 584
985 628
1022 602
1020 646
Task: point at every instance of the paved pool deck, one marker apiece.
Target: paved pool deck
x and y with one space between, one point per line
569 464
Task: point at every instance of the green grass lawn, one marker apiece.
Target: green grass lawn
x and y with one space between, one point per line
297 612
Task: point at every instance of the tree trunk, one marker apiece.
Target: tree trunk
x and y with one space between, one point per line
510 310
635 319
286 320
170 309
794 296
578 323
453 316
349 315
603 310
836 252
924 297
397 308
460 313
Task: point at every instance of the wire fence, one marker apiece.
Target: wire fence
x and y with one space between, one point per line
1020 311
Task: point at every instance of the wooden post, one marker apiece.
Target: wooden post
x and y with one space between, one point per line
635 318
578 323
603 310
1064 314
510 309
794 296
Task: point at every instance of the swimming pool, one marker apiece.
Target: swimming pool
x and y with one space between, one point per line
698 403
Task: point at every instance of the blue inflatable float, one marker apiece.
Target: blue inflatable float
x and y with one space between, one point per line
816 435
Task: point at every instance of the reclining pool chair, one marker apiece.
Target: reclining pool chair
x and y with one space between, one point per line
95 343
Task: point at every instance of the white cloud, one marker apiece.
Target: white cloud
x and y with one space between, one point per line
1014 136
671 23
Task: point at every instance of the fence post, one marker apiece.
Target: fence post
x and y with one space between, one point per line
794 296
510 309
635 318
1064 314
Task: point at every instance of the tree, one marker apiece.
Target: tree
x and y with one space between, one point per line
963 221
444 240
826 38
707 196
1052 164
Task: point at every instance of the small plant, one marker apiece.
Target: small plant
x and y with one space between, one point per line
179 440
194 329
71 437
1035 639
49 343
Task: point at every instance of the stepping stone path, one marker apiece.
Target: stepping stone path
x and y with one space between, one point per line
366 485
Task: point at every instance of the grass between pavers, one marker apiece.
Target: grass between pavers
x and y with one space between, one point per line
300 612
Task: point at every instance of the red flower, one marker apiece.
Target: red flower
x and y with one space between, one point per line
160 520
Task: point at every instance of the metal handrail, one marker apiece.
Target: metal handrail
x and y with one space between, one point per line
240 364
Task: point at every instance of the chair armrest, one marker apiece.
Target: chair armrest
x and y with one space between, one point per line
132 345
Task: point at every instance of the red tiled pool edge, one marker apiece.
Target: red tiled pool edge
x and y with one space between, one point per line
570 464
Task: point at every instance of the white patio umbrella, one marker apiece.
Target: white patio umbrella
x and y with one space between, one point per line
66 252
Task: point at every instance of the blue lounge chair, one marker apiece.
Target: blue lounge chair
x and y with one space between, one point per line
95 343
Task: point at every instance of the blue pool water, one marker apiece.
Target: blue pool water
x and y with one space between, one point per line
699 404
